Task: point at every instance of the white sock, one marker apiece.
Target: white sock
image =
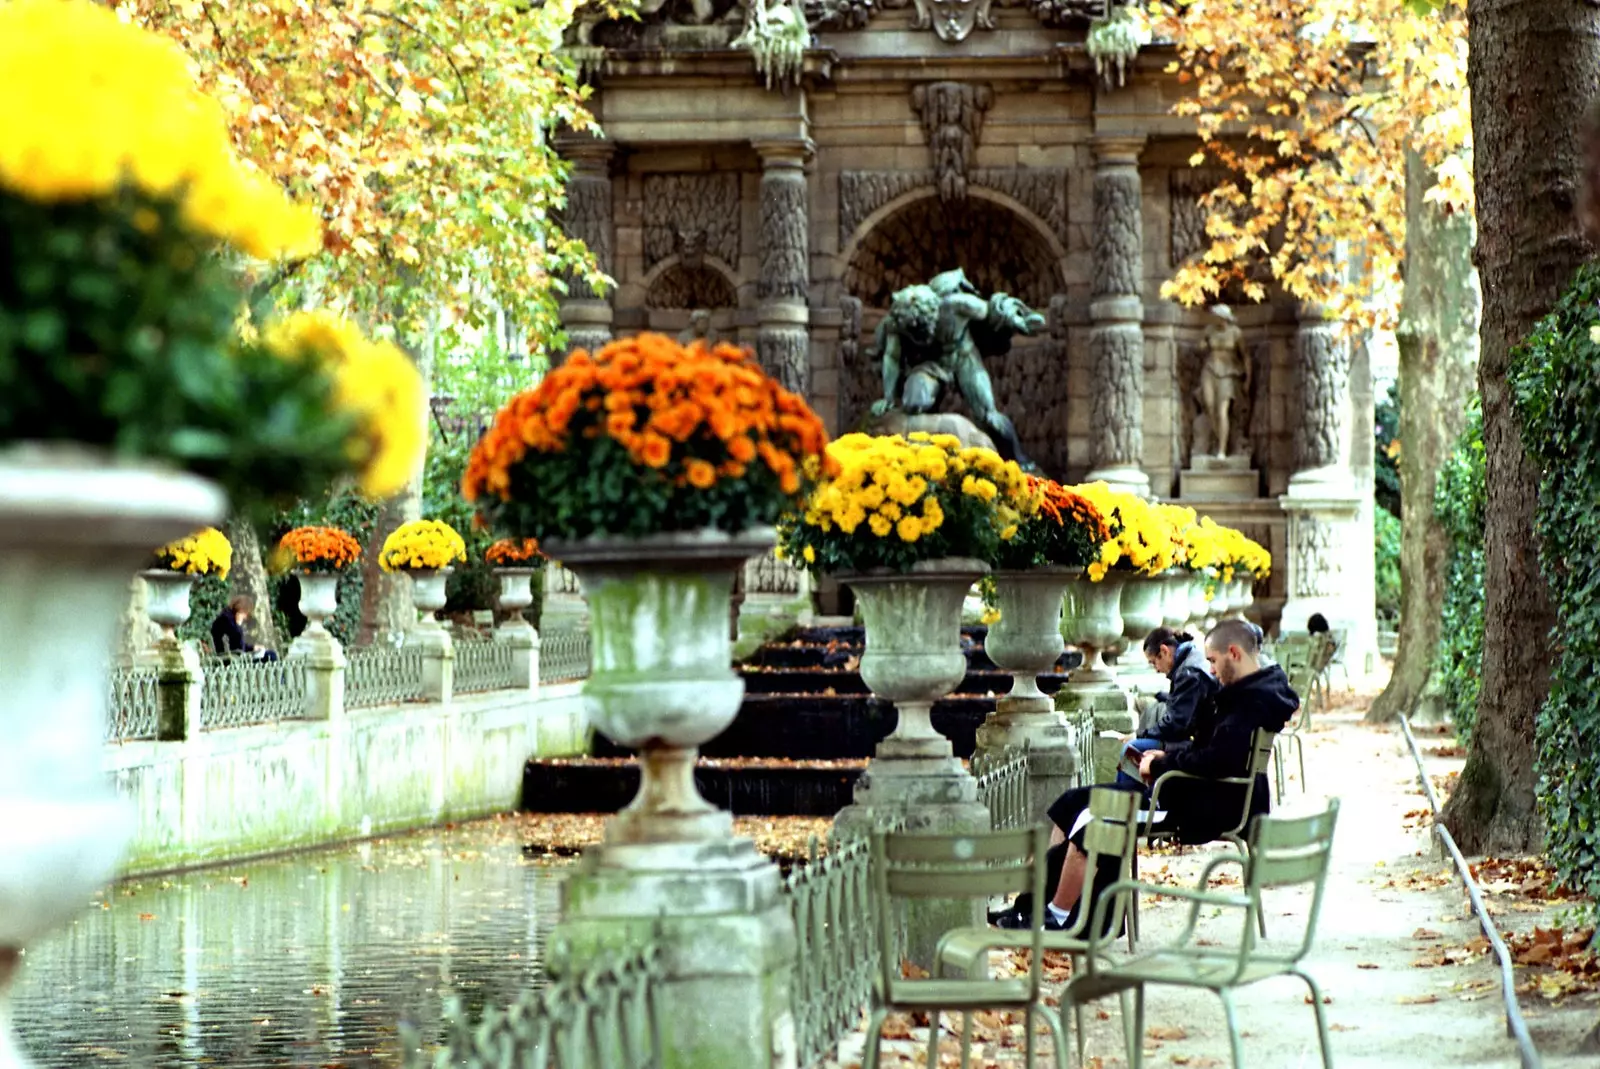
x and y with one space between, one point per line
1059 914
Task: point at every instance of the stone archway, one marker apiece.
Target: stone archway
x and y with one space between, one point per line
999 249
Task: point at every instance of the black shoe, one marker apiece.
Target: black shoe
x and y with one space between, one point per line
1053 925
1013 919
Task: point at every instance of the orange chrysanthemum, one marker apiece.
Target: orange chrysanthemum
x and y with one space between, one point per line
510 552
697 414
319 549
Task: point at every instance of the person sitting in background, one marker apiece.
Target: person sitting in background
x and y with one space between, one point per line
1249 696
1317 624
1177 656
227 630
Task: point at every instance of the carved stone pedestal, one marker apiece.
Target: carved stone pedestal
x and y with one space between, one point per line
1219 479
897 422
1322 530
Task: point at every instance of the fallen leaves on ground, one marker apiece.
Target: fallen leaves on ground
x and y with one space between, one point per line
565 834
1421 879
1565 962
1523 877
1416 818
1446 750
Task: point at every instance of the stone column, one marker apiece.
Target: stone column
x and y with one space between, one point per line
783 282
1322 503
585 314
1116 338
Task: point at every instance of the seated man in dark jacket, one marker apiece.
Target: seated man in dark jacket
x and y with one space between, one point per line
1249 697
1182 660
227 630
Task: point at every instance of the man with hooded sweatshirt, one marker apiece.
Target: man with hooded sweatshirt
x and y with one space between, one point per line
1249 697
1182 660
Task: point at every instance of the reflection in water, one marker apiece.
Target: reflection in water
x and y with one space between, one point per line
309 960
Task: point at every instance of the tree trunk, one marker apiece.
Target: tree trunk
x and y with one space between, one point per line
1438 339
249 576
1533 66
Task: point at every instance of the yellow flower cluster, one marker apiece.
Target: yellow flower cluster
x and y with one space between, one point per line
1240 554
206 552
1144 539
893 485
1204 542
94 104
373 381
422 544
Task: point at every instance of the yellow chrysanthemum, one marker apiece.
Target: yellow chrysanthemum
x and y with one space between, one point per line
206 552
95 103
422 544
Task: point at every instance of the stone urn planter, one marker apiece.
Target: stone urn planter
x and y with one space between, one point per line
1142 608
662 681
1199 604
168 599
1175 599
428 593
1242 595
1025 642
913 651
1091 619
73 527
319 599
516 590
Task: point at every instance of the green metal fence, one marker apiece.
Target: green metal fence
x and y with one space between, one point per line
563 655
481 665
603 1019
1083 729
836 960
133 704
382 675
1003 787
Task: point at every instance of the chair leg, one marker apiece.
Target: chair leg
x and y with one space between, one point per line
1277 767
1233 1027
1135 1038
1322 1018
1128 1037
966 1038
874 1037
1058 1038
933 1037
1300 751
1028 1038
1133 901
1077 1022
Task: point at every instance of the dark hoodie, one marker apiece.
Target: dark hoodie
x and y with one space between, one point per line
1221 749
1192 687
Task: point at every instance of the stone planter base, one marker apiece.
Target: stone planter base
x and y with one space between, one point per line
1113 711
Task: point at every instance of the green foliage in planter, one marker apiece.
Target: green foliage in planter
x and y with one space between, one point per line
1459 500
1386 552
117 331
208 598
1556 394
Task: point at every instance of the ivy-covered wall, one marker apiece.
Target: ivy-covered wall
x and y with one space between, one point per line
1459 498
1556 393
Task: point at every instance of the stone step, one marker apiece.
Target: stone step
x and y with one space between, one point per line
812 727
769 788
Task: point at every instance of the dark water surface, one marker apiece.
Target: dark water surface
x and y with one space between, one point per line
309 960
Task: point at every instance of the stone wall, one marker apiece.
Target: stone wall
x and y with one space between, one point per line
229 794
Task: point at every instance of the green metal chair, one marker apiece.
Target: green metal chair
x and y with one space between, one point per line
1303 681
1284 852
906 865
1111 831
1262 744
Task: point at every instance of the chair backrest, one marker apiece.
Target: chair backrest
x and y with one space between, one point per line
966 865
1287 851
1262 742
1111 832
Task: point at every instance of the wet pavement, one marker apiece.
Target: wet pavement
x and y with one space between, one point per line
308 960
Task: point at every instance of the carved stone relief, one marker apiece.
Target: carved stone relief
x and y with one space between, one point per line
682 286
859 382
952 121
769 575
999 251
785 354
691 216
952 20
1185 189
1030 385
1322 367
785 271
587 217
1043 191
1318 567
1116 353
1118 232
1060 13
1187 360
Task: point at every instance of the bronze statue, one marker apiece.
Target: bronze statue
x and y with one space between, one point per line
1224 374
937 335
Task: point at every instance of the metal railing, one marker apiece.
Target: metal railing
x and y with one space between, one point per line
239 691
482 664
563 656
1003 787
133 708
382 675
604 1019
835 917
1084 731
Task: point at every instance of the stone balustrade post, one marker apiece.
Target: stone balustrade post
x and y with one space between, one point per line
325 663
438 661
524 642
587 315
1116 312
180 681
783 282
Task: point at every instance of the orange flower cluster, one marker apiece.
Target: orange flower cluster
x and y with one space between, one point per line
1065 506
698 414
321 548
510 552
